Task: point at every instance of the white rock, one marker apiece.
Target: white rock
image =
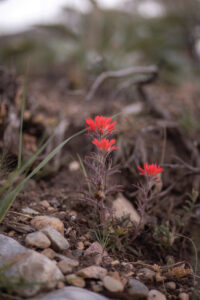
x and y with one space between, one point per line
37 239
123 207
74 166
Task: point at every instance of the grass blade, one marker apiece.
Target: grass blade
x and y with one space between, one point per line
7 201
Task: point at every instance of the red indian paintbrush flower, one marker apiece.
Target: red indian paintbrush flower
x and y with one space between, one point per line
151 170
105 144
100 124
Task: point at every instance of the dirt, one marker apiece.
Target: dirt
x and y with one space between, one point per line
143 137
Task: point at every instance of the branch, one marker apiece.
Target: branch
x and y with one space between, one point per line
118 74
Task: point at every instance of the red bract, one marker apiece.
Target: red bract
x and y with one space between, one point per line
101 124
150 170
105 144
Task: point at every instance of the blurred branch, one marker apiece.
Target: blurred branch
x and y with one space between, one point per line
118 74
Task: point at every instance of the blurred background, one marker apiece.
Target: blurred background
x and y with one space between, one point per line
91 36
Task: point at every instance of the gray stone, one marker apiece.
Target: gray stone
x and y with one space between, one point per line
156 295
59 243
71 293
37 239
29 265
137 289
112 284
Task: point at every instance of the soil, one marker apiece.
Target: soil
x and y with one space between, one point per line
146 136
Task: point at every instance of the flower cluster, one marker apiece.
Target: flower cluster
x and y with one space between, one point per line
150 170
100 128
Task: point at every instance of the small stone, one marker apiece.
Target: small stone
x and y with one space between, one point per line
59 243
40 222
147 273
45 203
37 239
52 209
67 264
75 280
156 295
122 207
183 296
74 166
80 246
171 285
93 272
29 211
137 289
49 253
94 248
112 284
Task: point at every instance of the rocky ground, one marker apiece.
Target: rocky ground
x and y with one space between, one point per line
48 246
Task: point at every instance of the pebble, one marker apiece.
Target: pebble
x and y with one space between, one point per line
29 211
183 296
147 273
112 284
170 285
74 166
93 272
49 253
72 293
40 222
30 265
67 264
75 280
94 248
45 203
137 289
156 295
59 243
37 239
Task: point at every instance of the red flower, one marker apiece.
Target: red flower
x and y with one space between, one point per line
101 124
151 170
105 144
